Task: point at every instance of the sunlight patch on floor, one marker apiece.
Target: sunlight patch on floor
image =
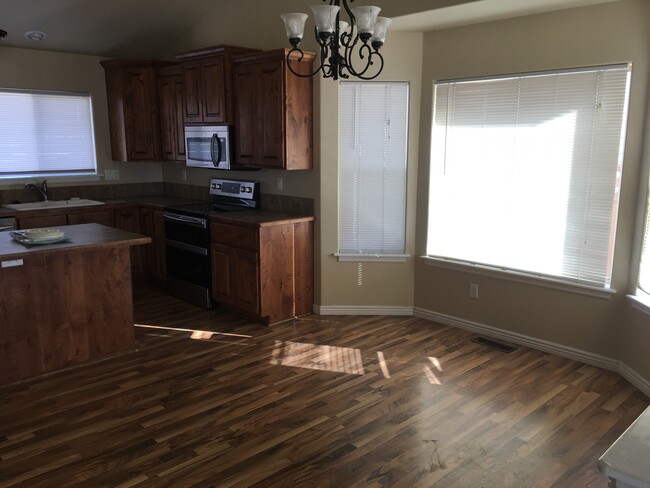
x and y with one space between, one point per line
319 357
195 333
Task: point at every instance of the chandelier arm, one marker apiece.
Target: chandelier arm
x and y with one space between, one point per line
369 56
362 76
353 19
350 64
302 55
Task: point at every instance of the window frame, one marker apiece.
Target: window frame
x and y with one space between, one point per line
371 256
557 282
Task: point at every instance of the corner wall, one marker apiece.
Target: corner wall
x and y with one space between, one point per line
609 33
47 70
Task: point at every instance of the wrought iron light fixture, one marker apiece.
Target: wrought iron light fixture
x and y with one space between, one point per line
338 39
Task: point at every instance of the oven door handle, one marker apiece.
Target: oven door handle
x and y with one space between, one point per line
187 247
186 219
215 161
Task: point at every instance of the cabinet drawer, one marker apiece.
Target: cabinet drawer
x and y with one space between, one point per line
234 236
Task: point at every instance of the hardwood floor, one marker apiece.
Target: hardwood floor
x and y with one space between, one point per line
209 399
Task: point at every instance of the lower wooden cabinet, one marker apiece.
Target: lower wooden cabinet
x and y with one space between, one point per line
37 222
265 270
128 218
235 277
153 255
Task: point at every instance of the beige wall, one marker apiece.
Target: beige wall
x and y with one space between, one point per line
608 33
387 284
43 70
369 283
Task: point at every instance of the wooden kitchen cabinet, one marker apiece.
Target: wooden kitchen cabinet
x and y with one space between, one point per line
273 111
206 77
104 217
237 277
170 105
127 218
264 270
153 255
40 221
133 109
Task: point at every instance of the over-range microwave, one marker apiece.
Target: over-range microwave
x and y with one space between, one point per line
208 146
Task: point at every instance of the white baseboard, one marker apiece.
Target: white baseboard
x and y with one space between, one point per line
643 384
361 310
629 374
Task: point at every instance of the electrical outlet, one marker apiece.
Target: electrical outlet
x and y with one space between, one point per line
279 183
473 290
184 175
111 174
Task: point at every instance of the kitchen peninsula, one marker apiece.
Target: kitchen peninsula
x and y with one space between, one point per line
65 304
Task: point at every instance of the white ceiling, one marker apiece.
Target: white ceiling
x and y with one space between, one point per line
150 28
482 11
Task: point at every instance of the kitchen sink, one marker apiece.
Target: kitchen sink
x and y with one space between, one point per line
73 202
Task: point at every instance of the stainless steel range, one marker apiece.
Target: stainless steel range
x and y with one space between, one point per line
187 237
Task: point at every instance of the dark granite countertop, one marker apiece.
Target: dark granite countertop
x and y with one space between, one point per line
158 201
82 237
256 218
259 218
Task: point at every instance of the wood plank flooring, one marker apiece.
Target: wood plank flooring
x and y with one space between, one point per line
209 399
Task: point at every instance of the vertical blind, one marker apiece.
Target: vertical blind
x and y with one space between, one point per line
526 169
46 133
372 167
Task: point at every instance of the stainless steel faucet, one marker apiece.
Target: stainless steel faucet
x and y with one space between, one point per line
41 190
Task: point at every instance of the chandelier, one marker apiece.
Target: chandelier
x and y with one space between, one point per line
338 39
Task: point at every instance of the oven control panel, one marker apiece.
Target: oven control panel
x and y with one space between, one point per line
234 188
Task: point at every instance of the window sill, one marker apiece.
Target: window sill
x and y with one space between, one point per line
520 277
640 302
383 258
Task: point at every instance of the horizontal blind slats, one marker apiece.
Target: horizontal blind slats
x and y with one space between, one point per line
524 171
372 167
46 134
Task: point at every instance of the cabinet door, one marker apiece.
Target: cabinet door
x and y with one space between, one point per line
128 219
178 119
104 217
245 276
138 114
159 256
270 138
44 221
167 108
214 90
222 289
246 114
191 80
147 251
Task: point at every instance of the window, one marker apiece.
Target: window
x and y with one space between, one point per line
46 134
526 171
372 169
644 267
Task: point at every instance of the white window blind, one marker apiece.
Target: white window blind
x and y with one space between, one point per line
525 171
46 134
373 120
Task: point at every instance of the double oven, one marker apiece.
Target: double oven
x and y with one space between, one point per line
188 238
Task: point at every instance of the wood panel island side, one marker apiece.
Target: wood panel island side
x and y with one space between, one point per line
65 304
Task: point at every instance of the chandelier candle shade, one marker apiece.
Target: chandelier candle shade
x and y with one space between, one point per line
342 44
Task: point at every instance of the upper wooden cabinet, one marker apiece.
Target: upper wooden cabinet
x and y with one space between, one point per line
132 109
170 106
206 77
273 111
